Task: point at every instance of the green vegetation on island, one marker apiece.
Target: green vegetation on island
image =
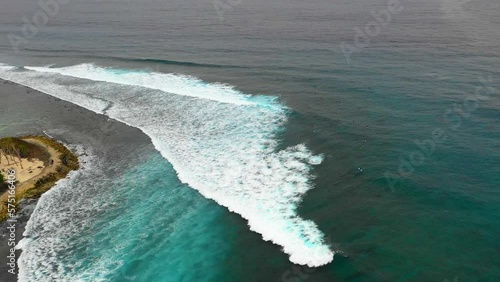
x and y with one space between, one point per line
57 160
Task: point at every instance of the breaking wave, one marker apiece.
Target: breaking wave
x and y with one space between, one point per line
221 142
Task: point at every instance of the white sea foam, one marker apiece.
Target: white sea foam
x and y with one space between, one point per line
51 224
221 142
6 67
177 84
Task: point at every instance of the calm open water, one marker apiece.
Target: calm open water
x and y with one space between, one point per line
405 115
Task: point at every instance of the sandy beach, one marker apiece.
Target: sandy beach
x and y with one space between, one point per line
36 176
25 168
29 171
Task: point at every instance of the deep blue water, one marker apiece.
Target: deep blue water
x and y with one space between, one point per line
416 80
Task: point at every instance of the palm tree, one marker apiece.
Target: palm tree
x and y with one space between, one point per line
18 156
8 148
5 155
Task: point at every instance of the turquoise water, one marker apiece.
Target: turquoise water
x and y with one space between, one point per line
143 225
155 241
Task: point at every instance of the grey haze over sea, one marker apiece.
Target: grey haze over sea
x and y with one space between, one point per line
260 140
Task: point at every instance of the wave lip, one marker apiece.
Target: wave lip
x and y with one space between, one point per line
171 83
223 143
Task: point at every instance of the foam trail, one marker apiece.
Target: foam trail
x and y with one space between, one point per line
53 223
177 84
222 143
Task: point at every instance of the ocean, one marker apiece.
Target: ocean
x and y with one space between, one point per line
260 140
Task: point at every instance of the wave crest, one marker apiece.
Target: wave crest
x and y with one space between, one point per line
220 141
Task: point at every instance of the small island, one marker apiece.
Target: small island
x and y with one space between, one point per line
39 162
